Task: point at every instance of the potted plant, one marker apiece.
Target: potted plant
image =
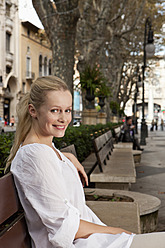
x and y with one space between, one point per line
102 92
114 106
90 80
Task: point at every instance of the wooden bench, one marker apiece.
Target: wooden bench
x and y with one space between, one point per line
118 144
89 163
136 153
13 228
115 171
117 132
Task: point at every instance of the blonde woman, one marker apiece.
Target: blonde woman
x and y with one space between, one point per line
47 181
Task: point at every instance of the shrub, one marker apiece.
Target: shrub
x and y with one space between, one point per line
82 137
6 141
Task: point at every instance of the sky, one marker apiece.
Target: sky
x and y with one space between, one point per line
28 13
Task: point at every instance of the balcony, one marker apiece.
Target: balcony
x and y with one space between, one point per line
30 75
9 24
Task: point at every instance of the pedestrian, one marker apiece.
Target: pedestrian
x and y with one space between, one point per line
162 124
128 134
47 180
12 121
6 120
156 124
152 125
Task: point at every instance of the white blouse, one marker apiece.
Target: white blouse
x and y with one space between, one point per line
53 199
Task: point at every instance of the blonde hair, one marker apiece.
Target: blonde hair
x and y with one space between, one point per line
36 96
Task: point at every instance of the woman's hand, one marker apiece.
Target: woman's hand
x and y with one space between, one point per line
79 167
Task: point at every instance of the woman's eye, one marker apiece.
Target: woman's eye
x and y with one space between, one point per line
54 110
68 111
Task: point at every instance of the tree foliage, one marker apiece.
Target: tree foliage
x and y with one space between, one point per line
109 33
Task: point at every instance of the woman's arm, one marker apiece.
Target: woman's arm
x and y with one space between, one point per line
79 167
87 228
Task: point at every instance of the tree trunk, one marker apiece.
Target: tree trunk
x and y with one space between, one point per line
59 19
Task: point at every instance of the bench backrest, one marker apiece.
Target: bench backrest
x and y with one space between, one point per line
13 229
117 132
109 138
103 146
70 149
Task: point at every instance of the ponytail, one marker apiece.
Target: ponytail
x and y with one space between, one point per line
23 126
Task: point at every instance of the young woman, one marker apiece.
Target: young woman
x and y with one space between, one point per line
48 183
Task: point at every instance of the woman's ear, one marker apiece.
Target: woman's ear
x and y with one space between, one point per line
32 111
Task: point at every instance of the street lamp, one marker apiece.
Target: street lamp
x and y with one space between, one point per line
148 52
138 85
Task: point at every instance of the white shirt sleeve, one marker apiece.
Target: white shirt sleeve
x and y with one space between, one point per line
40 177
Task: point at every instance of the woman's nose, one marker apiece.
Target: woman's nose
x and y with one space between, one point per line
62 117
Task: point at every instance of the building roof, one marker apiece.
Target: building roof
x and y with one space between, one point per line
30 26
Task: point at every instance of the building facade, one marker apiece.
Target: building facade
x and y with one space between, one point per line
25 55
35 55
154 93
9 59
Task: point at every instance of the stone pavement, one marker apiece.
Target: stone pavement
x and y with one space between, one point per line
151 172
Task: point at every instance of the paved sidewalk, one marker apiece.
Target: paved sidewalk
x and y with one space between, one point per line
151 172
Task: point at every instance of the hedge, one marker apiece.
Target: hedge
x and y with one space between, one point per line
81 137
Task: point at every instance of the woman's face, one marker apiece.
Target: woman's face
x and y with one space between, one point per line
54 116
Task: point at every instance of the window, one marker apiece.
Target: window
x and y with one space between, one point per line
8 69
50 67
7 10
40 66
28 33
28 67
28 49
8 38
45 66
23 87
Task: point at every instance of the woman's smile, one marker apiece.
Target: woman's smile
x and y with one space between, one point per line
59 127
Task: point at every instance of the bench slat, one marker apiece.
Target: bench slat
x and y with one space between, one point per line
9 203
99 141
108 135
103 146
17 236
103 153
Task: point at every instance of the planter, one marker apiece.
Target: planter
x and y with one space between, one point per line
101 102
114 111
90 97
148 206
110 198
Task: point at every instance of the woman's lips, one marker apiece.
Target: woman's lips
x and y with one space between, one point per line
59 127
